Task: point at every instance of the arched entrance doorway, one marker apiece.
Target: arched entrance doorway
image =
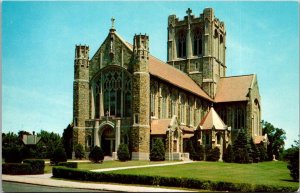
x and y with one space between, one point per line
108 140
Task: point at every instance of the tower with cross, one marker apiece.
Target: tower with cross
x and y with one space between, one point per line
196 46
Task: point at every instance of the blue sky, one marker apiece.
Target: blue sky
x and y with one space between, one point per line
38 41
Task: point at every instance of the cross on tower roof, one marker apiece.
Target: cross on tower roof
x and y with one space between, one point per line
112 23
189 11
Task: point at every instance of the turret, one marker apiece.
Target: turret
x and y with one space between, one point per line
140 133
80 93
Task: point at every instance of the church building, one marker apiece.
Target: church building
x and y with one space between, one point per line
123 94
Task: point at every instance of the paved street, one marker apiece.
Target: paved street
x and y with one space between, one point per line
19 187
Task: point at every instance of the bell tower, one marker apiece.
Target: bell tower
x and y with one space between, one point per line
196 46
80 93
140 132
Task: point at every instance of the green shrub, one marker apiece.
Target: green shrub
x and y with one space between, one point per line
75 174
158 151
293 164
228 155
79 152
262 152
96 155
242 148
255 152
37 165
123 152
16 168
13 155
191 150
59 155
200 152
68 164
213 154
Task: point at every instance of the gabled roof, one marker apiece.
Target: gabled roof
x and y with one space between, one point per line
212 120
234 88
173 76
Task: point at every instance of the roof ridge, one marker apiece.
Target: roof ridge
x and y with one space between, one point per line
238 76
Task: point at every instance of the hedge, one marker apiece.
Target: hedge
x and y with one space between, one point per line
29 166
83 175
37 165
68 164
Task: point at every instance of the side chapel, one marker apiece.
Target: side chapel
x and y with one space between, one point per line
125 95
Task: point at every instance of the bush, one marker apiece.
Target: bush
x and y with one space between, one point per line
16 168
75 174
13 155
123 152
37 165
242 148
96 155
255 152
158 151
213 154
68 164
241 156
200 151
79 152
293 164
59 155
228 155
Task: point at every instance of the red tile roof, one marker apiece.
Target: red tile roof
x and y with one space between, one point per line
159 126
174 76
233 88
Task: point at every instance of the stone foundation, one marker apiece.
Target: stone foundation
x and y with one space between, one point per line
140 156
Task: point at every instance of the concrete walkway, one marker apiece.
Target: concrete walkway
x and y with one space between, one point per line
46 180
144 166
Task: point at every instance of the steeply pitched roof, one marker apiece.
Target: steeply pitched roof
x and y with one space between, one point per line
212 119
159 126
233 88
173 76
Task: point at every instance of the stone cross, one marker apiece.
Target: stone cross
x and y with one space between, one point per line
112 23
189 11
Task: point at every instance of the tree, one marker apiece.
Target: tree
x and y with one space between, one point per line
10 140
255 152
158 151
241 148
67 140
79 152
59 155
123 152
49 142
276 139
213 154
262 152
191 150
14 154
228 155
96 155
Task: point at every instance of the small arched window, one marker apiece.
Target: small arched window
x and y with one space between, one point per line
197 43
89 141
181 51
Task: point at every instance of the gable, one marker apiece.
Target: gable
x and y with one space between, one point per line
113 51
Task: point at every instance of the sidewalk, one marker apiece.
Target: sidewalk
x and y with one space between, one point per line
45 179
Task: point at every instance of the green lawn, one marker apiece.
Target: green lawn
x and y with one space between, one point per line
272 173
106 164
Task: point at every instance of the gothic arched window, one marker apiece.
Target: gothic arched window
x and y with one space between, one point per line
172 105
182 104
116 87
152 100
181 51
197 43
164 95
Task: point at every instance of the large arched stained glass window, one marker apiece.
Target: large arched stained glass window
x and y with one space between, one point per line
116 88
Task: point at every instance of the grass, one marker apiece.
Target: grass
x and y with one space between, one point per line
268 173
107 164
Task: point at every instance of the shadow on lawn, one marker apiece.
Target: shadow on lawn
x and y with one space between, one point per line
288 180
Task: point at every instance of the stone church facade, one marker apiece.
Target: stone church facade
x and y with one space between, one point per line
125 95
